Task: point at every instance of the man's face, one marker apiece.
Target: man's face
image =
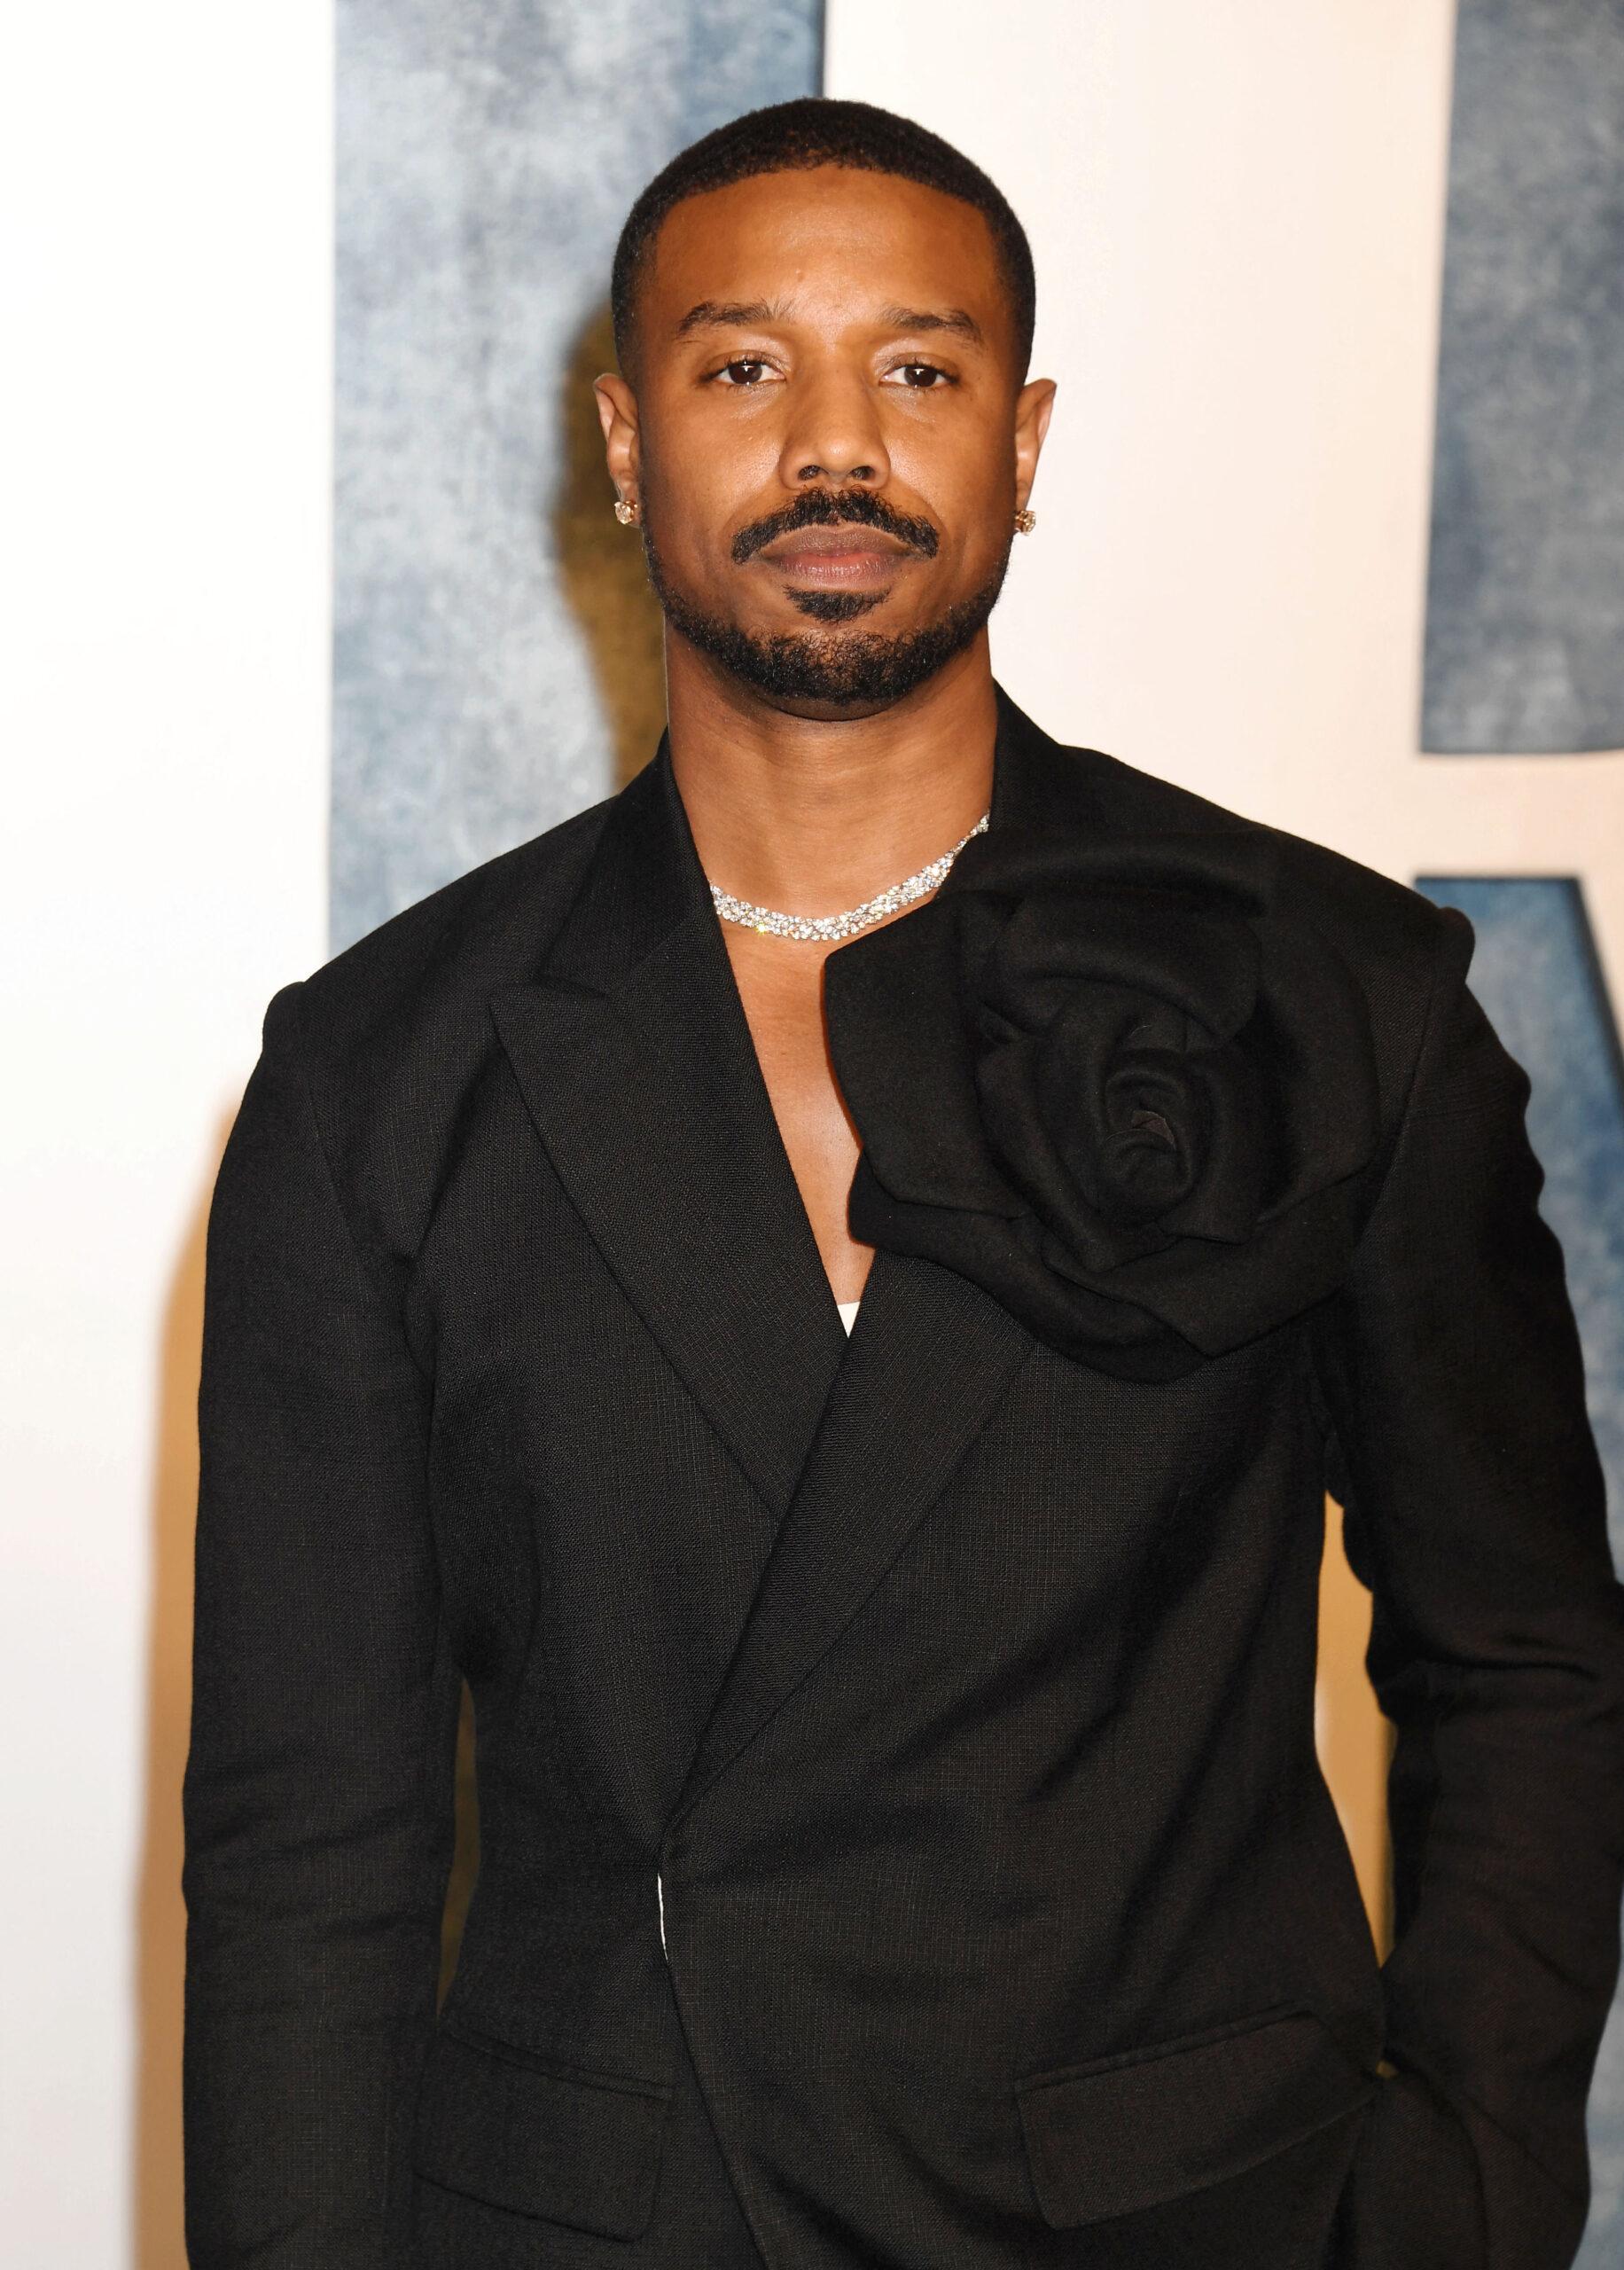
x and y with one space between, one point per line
829 436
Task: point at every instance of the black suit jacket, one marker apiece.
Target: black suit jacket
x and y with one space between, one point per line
902 1840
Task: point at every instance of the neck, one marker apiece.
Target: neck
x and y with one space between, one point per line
810 816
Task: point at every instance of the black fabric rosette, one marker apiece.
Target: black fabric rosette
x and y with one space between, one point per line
1113 1082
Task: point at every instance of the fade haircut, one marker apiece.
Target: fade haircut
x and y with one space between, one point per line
818 131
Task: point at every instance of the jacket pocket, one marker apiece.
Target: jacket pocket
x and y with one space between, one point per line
511 2129
1127 2131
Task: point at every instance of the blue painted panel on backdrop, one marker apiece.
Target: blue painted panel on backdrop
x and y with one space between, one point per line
1535 972
1523 646
497 655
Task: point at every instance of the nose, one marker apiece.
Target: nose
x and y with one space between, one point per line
833 432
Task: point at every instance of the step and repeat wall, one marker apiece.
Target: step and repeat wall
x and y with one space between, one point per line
329 605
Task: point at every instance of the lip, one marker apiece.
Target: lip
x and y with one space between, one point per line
848 556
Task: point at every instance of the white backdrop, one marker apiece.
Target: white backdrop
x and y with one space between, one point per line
1236 211
163 713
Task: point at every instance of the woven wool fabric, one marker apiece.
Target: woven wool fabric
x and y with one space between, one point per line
902 1842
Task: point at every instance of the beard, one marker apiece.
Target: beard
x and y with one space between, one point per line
839 668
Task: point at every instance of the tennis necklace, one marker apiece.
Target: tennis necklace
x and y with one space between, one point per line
827 927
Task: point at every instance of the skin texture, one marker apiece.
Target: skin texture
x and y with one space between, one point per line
782 369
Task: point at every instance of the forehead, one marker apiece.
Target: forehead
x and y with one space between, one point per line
827 242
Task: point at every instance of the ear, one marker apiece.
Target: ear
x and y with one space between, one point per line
617 414
1034 407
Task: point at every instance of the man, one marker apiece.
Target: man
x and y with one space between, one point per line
903 1843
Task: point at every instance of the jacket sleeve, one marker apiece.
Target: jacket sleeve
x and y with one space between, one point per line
1474 1512
318 1795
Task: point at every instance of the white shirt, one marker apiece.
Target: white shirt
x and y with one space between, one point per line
848 1312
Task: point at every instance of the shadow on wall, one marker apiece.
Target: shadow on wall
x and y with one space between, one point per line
1352 1737
158 1967
600 566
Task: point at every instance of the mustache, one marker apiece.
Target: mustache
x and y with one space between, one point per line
827 508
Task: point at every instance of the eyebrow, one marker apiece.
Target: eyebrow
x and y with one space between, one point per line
934 319
708 315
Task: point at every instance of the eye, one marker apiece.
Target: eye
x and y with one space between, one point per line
743 371
921 377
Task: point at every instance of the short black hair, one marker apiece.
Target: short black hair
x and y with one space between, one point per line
820 130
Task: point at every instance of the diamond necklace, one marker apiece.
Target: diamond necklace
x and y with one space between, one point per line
826 928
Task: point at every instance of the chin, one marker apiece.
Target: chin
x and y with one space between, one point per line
829 669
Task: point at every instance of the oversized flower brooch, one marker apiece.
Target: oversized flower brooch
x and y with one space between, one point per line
1114 1085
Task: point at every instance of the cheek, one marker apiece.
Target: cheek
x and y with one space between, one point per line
683 486
681 512
698 492
969 492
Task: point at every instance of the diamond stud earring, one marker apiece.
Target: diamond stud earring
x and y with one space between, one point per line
624 513
1025 522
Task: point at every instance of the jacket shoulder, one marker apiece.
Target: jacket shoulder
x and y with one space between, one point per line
485 927
1366 914
395 1030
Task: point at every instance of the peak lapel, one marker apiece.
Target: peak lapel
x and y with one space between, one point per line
636 1063
931 1354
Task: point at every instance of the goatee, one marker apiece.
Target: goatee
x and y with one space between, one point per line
838 668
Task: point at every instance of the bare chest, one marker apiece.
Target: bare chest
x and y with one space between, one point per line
780 983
